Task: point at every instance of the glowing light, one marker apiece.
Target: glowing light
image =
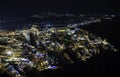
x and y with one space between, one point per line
73 31
9 53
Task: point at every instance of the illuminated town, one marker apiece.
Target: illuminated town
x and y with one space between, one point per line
51 46
59 38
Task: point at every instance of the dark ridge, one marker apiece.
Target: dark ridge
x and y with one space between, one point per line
108 29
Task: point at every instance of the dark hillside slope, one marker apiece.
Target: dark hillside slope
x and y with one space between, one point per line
109 29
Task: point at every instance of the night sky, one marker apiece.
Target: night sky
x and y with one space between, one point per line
77 6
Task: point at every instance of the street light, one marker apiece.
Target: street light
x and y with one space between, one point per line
9 53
